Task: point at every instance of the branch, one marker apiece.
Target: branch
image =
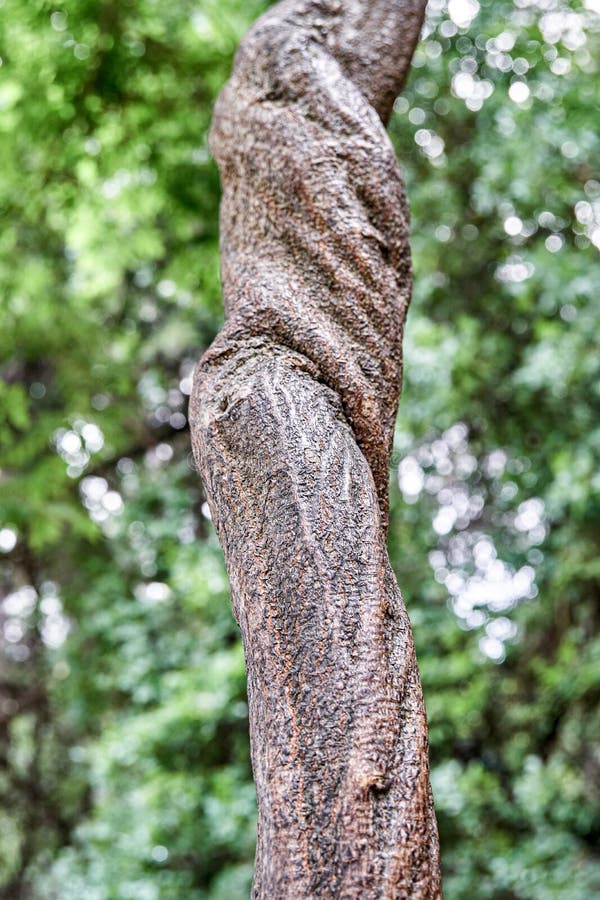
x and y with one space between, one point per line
292 416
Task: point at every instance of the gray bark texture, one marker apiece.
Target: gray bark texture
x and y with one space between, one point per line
292 417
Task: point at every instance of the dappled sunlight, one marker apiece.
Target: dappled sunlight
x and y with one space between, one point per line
480 585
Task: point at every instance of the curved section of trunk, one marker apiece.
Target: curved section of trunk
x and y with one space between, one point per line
292 416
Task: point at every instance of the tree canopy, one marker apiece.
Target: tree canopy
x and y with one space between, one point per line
123 723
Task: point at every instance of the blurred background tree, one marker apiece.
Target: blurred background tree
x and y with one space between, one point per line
124 769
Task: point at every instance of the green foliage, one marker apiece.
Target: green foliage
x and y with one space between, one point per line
123 723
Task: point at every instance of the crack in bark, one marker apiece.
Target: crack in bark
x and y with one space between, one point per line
292 413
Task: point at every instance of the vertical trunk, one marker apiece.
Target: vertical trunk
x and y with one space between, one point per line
293 412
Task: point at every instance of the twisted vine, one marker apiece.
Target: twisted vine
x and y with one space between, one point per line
292 414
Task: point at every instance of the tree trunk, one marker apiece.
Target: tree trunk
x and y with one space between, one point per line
292 415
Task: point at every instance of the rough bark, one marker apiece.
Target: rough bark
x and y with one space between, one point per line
292 416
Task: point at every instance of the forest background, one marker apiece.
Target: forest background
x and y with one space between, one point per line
124 764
